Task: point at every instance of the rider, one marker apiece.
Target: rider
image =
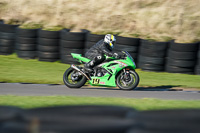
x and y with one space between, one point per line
97 51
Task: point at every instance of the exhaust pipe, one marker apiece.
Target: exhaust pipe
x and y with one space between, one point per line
77 69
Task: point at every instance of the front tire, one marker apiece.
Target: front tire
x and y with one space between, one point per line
127 84
69 82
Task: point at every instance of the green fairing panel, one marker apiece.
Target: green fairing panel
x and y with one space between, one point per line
119 64
113 67
80 57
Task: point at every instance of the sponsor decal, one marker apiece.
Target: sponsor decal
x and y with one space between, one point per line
103 83
121 64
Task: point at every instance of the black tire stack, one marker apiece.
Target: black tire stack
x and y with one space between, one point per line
83 119
1 21
91 40
197 68
71 42
7 38
26 43
167 121
130 45
48 45
152 55
97 119
181 58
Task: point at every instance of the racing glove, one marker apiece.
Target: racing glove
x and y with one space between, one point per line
116 55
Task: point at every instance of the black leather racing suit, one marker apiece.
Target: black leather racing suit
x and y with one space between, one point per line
99 48
96 53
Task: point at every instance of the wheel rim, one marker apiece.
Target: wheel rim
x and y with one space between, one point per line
71 79
127 82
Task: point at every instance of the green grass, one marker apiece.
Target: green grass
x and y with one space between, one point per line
53 28
139 104
15 69
31 26
157 79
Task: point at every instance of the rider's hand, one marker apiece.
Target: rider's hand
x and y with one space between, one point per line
116 55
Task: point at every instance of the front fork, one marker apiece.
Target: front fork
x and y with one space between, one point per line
126 72
126 76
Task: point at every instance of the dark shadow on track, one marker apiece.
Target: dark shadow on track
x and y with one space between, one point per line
156 88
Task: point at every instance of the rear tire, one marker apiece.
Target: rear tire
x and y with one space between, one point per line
133 84
69 83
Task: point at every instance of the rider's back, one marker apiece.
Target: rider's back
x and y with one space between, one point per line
95 50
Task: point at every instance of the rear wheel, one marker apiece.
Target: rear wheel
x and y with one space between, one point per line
73 78
127 80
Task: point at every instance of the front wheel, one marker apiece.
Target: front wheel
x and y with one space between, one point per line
73 78
127 80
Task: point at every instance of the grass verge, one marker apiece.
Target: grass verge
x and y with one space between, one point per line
139 104
14 69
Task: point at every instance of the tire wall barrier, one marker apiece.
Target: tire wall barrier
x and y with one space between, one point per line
48 45
197 67
1 21
71 42
26 43
152 55
130 45
97 119
51 46
7 38
181 58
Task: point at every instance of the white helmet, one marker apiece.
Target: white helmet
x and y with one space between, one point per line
110 39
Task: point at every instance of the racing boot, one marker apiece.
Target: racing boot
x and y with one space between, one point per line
88 66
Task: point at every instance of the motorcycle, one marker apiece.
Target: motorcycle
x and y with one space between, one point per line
111 73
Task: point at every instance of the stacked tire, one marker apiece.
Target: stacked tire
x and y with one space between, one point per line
97 119
152 55
197 68
91 40
7 38
167 121
26 43
83 119
48 45
130 45
71 42
1 21
181 58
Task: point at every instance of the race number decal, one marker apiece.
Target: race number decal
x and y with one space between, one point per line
95 81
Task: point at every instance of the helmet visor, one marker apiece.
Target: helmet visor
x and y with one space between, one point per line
113 42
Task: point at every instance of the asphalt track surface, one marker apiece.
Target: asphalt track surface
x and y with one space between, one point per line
91 91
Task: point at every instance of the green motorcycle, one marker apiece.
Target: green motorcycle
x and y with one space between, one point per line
111 73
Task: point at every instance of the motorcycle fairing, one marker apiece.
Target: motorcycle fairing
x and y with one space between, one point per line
112 67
